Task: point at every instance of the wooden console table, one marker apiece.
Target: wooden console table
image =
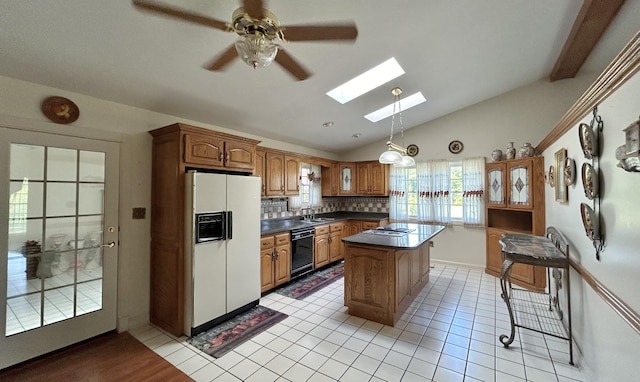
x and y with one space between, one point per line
535 310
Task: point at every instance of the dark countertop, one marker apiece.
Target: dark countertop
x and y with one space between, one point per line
418 235
271 226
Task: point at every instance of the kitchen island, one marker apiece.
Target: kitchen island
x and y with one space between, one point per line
385 269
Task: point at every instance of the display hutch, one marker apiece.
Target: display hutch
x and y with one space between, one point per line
515 204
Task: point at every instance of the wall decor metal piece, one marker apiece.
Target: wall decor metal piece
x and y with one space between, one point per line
561 186
588 141
590 181
628 154
569 171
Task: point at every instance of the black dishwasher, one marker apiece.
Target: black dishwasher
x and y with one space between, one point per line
301 251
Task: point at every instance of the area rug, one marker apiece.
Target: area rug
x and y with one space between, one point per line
309 284
223 338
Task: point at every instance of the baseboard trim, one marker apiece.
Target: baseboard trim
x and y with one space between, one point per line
630 316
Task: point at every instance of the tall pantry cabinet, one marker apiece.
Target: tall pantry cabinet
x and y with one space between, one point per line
515 204
176 149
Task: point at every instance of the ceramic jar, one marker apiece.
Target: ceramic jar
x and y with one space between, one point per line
511 151
525 151
496 155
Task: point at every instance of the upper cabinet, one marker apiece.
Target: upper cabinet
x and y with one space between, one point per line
281 173
261 170
510 184
372 178
347 181
209 149
331 180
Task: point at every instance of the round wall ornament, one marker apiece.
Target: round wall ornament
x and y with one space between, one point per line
60 110
455 147
412 150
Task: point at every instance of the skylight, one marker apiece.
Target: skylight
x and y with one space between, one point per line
367 81
405 103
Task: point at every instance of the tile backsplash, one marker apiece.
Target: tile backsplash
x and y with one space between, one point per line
279 207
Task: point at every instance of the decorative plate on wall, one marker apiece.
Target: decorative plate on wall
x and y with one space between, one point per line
412 150
455 147
569 171
60 110
589 181
552 176
590 221
587 141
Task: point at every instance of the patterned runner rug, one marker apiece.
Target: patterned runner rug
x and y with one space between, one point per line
309 284
222 338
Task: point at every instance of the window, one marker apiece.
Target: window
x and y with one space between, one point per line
439 191
18 203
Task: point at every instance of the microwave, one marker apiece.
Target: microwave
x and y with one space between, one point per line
211 226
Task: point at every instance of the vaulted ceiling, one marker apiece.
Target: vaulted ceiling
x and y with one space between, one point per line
456 52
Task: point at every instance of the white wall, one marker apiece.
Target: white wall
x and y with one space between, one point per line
609 345
525 114
100 119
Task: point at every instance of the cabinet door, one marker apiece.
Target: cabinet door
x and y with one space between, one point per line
496 192
292 174
353 227
275 174
378 179
363 182
260 170
347 179
369 225
335 246
335 179
425 263
239 155
267 280
320 250
520 184
203 150
494 250
283 264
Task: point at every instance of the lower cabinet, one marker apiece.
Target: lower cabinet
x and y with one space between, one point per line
321 246
336 247
528 276
275 260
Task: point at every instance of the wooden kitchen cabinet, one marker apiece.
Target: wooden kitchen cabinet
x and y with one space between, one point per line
515 204
336 247
347 182
282 172
321 246
331 180
210 150
261 170
177 148
372 178
275 260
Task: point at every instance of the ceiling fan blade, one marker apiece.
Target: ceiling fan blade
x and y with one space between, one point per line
183 15
291 65
223 59
320 32
253 8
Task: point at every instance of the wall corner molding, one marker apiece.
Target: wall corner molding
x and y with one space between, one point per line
623 67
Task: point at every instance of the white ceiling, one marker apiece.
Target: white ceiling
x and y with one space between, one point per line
457 52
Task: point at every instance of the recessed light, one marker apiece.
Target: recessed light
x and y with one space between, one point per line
367 81
356 135
405 103
327 124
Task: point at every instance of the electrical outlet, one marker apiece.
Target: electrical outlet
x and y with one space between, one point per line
138 213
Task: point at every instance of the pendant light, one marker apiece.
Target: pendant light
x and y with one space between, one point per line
396 155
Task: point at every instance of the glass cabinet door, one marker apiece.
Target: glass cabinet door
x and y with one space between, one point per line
495 185
520 185
347 173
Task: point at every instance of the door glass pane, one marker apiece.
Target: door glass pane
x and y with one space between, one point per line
519 185
496 193
55 235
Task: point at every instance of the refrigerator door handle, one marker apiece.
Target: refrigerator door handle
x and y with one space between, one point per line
229 225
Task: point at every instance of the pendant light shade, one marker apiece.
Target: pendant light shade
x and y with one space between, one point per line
405 161
390 157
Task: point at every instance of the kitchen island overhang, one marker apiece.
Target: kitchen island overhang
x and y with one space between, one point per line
385 269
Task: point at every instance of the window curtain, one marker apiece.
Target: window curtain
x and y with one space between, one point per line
473 192
398 196
433 185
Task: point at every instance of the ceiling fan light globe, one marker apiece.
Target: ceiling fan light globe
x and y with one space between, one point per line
390 157
406 161
256 50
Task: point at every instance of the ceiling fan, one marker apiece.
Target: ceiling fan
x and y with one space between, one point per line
258 29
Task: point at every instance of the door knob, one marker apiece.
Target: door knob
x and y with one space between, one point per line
110 244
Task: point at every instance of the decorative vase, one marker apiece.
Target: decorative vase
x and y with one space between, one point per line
525 151
511 151
496 155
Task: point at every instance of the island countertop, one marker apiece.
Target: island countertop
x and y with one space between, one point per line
392 235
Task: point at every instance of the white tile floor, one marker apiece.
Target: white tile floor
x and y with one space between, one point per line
450 333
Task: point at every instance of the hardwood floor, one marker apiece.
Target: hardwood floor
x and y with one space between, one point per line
110 357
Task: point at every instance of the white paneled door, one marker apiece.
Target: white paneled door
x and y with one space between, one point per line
58 246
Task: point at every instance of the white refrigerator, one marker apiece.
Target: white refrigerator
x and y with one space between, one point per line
222 275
